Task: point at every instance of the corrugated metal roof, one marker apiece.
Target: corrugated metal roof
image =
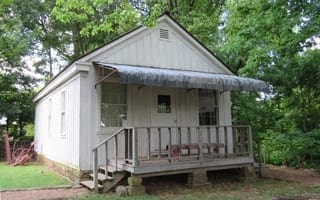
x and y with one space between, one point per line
141 75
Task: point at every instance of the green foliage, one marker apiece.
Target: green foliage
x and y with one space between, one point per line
293 148
276 42
92 23
29 129
15 87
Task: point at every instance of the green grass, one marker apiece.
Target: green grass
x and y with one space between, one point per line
32 176
260 189
115 197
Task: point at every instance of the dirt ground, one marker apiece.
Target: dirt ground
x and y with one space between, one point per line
44 194
279 173
307 176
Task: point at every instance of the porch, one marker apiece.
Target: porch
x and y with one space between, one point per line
151 151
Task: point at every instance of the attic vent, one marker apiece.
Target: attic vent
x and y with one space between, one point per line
164 34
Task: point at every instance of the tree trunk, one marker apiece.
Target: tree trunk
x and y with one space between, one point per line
7 147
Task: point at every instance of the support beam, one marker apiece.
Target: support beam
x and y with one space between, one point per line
135 147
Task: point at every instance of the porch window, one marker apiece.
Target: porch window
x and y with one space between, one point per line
113 104
164 104
208 107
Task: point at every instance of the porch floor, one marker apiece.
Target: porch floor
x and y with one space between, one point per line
165 166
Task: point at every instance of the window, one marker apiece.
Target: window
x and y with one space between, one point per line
208 107
62 117
164 104
113 104
49 115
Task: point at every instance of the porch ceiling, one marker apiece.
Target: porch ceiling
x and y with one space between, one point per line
141 75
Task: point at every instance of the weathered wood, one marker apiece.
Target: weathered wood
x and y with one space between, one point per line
250 142
164 166
89 184
95 169
109 138
116 150
126 144
135 147
159 144
148 144
198 132
184 162
179 140
130 143
189 139
170 143
106 150
218 140
226 150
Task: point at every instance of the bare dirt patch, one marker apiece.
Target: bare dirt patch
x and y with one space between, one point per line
44 194
307 176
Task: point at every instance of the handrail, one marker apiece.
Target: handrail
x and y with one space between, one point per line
131 133
200 126
95 155
109 138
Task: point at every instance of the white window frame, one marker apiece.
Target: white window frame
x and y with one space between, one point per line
215 106
106 104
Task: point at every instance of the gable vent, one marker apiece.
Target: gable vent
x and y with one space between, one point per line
164 34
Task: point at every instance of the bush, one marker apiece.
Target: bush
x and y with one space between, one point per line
292 149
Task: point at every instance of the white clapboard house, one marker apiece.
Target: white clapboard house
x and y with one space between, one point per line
153 101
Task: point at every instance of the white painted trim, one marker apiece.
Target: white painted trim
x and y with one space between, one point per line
61 79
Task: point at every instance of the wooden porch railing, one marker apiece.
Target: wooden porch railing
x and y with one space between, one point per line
208 142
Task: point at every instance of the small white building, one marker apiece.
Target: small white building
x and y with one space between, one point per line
155 98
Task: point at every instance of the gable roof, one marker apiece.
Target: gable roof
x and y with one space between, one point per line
175 25
133 32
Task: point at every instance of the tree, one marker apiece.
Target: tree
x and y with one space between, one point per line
275 41
15 87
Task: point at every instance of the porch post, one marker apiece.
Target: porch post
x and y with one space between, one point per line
250 142
199 142
135 147
170 142
95 169
148 144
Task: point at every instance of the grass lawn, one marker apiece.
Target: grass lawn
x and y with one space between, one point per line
31 176
260 189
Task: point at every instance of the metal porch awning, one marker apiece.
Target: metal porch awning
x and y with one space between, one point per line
151 76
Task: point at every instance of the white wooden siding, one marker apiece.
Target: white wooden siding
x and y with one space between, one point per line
141 111
55 145
147 49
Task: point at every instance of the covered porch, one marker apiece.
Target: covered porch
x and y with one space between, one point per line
169 121
175 149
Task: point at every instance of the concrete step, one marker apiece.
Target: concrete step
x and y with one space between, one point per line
103 177
90 185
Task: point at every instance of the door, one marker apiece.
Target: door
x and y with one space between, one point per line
164 114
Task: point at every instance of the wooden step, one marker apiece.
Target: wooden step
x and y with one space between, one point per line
102 177
110 169
89 184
